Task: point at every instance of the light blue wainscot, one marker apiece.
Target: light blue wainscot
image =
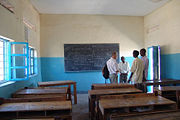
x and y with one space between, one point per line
52 69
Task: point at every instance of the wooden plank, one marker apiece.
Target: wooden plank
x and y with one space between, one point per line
161 82
126 96
134 102
167 88
35 106
55 83
41 91
157 116
37 119
41 96
111 86
39 99
113 91
58 83
170 92
156 103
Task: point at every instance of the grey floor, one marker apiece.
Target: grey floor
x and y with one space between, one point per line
80 112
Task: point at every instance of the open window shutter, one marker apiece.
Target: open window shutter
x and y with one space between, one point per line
154 62
18 61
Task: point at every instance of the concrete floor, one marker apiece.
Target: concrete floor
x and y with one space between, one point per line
80 112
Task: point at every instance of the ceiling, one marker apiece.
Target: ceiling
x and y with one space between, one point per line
105 7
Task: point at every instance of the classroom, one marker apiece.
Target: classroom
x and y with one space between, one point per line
52 53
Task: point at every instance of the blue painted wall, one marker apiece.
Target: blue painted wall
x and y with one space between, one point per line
170 66
7 90
53 70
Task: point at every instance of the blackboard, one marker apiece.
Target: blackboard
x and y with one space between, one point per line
87 57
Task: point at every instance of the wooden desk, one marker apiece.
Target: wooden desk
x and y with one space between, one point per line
127 105
41 92
59 83
170 92
95 94
157 116
55 118
160 82
111 86
36 109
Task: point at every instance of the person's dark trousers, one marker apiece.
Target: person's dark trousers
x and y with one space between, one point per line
123 77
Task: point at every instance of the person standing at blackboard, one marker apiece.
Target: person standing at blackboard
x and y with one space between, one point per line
124 70
112 66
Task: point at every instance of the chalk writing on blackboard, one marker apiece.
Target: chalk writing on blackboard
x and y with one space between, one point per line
87 57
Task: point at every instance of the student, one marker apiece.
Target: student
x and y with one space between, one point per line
146 63
136 69
124 70
113 68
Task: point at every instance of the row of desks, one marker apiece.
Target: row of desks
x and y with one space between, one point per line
42 102
99 90
104 99
60 83
133 104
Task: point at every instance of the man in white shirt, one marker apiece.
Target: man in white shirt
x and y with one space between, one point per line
146 62
136 69
124 70
113 68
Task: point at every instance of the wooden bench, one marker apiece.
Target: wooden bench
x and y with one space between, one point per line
157 116
170 92
160 82
44 109
134 104
37 119
60 83
39 99
95 94
111 86
42 92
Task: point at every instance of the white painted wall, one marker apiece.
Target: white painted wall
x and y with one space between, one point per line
12 26
162 27
57 30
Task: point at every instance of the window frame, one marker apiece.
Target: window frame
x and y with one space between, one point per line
32 61
5 48
29 60
13 75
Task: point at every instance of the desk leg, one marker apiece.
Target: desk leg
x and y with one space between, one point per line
89 106
145 88
105 116
69 93
92 108
75 94
178 98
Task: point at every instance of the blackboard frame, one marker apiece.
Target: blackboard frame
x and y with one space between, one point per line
88 57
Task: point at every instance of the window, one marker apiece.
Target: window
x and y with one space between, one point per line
3 59
17 60
32 61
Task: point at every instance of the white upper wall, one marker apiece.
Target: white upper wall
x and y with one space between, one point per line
162 27
105 7
12 26
57 30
